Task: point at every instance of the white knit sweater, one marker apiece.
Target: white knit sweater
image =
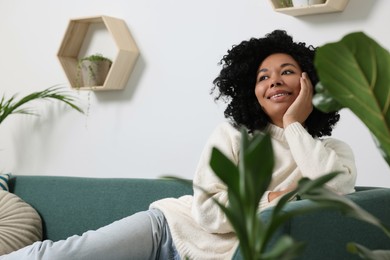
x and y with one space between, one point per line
200 230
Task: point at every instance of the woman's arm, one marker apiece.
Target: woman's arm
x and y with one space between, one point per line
316 158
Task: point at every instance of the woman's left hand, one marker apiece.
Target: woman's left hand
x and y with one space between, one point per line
301 108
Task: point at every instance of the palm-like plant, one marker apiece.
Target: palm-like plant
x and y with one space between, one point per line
13 106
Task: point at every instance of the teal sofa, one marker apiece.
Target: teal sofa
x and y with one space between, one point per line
73 205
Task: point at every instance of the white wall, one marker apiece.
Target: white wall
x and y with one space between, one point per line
159 123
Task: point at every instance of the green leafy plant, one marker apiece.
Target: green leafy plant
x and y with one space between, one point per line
95 57
286 3
355 74
14 106
247 182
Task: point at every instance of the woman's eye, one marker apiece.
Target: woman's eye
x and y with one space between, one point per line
287 72
261 78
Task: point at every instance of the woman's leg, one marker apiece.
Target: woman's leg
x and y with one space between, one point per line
135 237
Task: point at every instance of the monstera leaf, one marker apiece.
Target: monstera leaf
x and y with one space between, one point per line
355 73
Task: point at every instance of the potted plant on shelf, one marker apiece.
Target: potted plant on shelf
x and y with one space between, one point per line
303 3
93 70
285 3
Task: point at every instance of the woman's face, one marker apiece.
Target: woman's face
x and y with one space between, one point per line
277 85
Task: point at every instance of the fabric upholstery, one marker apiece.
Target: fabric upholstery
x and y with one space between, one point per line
71 205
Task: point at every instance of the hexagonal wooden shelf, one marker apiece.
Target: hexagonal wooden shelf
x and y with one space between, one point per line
329 6
123 63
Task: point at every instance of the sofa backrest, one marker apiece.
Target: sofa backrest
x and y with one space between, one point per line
73 205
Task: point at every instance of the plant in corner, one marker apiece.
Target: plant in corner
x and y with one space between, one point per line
355 74
93 70
13 106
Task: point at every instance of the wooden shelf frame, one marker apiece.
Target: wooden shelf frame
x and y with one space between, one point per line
329 6
122 65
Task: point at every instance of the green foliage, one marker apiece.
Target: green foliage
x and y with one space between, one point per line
286 3
368 254
13 106
95 57
247 183
355 74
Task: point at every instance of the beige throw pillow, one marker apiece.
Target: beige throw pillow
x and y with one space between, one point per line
20 224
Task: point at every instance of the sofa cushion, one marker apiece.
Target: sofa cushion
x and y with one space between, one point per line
20 224
4 178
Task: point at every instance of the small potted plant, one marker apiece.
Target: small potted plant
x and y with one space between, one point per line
93 70
302 3
286 3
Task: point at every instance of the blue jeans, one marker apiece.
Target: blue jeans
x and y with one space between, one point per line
144 235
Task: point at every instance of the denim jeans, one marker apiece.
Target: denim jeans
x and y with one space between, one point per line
144 235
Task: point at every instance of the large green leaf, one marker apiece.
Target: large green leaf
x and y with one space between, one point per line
355 73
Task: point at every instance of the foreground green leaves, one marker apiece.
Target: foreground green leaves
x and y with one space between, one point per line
13 106
368 254
246 184
355 73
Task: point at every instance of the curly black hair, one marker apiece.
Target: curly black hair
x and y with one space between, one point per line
236 82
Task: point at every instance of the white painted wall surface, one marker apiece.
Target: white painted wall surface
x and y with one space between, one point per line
159 123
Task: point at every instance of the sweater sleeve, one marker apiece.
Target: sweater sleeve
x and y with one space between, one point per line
316 157
204 210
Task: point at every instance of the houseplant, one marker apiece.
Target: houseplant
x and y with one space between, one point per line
354 73
247 182
13 106
285 3
301 3
93 70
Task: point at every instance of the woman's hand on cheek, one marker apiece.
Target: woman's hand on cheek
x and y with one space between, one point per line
301 108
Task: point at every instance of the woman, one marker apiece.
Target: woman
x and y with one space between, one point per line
268 84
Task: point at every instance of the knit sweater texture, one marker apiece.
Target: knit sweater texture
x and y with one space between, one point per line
200 230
